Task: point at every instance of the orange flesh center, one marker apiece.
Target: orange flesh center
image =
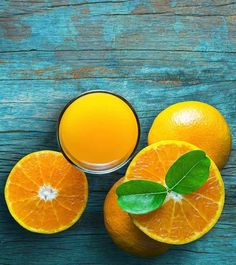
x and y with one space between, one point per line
98 131
47 193
173 196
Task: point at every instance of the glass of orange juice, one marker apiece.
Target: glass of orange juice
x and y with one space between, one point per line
98 131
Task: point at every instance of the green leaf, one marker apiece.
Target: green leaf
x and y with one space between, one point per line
140 196
188 173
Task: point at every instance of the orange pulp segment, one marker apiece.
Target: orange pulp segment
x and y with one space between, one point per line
45 193
182 218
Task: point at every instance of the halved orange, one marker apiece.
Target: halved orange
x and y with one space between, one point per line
45 193
182 218
124 233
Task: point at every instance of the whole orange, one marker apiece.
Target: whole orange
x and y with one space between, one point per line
197 123
124 233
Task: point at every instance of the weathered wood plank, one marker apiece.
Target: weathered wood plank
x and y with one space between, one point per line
118 25
174 67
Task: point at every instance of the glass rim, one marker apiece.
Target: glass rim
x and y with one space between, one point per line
104 171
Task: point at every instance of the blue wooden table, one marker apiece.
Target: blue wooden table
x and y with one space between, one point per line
154 53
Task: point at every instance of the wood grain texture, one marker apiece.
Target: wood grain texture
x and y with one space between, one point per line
154 53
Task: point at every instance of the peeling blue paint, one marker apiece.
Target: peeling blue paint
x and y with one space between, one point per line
111 30
178 25
218 39
173 3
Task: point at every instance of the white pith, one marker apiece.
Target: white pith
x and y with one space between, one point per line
47 193
174 196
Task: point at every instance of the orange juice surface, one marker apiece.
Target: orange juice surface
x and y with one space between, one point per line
98 131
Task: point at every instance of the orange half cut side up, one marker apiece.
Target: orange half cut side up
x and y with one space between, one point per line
182 218
45 193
